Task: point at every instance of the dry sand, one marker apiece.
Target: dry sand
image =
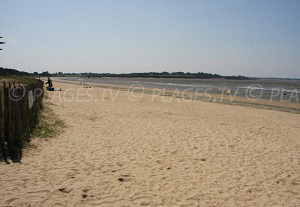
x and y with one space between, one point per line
158 153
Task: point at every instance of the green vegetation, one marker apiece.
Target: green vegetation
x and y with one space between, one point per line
49 125
9 71
14 72
186 75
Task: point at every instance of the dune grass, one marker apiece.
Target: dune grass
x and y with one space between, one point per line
49 125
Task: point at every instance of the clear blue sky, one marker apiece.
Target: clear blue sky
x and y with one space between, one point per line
233 37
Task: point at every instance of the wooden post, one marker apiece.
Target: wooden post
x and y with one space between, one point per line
17 123
30 110
26 112
8 119
2 142
11 116
23 112
6 113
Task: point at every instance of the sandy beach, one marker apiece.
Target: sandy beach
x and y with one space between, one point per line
123 149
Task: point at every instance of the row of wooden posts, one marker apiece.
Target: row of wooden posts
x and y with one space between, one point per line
19 108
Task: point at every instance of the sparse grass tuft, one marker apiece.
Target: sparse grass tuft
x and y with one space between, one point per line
49 124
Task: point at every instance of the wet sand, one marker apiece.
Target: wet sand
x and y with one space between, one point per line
283 90
119 152
232 99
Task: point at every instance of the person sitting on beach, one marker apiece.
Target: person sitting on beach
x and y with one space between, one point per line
49 82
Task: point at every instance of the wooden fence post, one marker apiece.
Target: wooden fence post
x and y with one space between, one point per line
12 141
2 142
6 113
26 112
17 123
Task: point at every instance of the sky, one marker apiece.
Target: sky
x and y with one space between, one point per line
256 38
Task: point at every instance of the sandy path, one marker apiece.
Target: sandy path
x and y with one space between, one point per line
155 153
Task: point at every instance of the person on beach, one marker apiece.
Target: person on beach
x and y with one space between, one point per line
49 82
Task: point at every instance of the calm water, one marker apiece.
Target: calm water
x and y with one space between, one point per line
280 90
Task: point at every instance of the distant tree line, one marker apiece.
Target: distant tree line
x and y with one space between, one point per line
12 72
187 75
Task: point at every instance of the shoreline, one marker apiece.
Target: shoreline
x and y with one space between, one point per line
290 107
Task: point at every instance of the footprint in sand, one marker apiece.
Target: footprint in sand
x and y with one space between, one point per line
64 190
